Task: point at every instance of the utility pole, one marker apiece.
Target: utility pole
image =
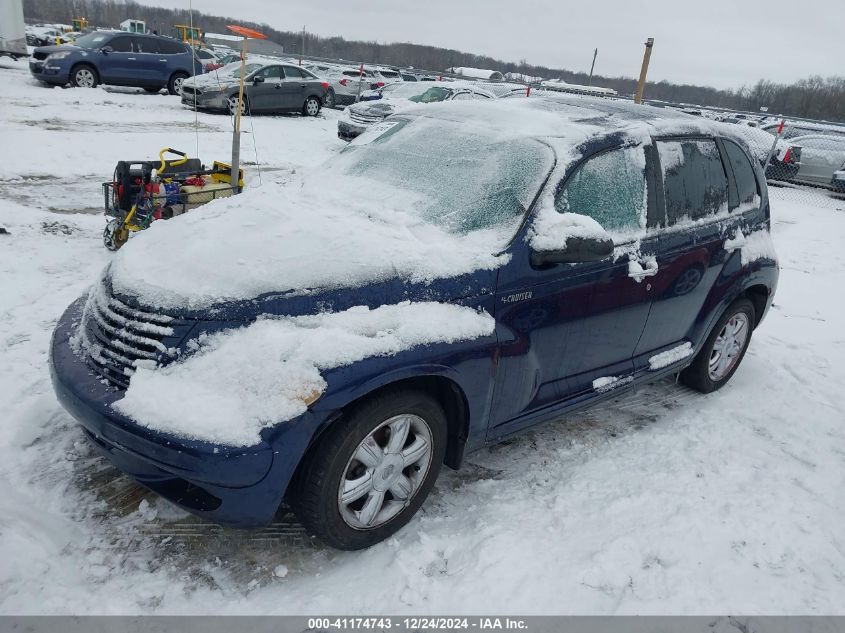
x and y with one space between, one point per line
595 52
638 98
302 49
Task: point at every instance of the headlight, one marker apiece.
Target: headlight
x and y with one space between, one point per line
213 88
55 56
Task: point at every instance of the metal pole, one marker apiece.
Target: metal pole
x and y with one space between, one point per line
638 98
302 50
595 52
774 146
234 180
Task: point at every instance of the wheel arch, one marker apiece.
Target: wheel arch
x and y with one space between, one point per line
446 391
758 294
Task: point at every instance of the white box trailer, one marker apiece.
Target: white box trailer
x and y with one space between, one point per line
12 35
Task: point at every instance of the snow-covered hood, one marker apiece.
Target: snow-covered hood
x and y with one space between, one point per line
316 237
211 78
383 107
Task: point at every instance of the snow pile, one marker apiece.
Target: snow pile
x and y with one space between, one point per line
606 383
756 245
551 229
670 356
241 381
637 271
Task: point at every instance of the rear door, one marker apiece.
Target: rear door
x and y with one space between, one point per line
294 88
694 199
149 65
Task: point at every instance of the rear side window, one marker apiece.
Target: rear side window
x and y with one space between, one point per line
122 44
168 47
694 180
746 182
610 188
293 72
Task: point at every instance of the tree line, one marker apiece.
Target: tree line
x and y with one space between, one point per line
815 97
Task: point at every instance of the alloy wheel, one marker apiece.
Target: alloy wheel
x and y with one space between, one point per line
385 471
728 346
84 78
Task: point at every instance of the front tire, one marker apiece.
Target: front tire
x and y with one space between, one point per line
371 471
311 107
84 76
232 105
724 349
174 86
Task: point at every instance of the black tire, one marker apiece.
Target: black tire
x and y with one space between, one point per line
84 76
329 100
174 86
698 375
232 108
153 91
316 490
311 107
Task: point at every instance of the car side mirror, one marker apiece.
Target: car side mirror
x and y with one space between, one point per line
257 80
106 50
578 250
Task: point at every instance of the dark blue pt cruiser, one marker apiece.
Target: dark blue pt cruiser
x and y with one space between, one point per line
630 244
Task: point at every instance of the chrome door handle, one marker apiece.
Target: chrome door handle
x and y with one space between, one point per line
131 58
303 85
162 60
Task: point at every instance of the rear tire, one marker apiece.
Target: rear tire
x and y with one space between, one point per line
724 349
153 91
174 86
311 107
84 76
329 100
394 444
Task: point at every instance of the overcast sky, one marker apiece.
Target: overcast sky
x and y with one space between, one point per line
723 43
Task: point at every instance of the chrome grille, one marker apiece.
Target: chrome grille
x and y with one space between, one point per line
117 338
357 117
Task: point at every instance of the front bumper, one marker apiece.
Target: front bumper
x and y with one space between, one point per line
48 72
238 487
206 100
347 131
782 171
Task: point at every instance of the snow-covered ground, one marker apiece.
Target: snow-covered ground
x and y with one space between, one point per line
662 501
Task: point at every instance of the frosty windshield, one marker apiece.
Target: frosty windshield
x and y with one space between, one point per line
467 179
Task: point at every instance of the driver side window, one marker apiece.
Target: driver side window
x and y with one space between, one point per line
270 74
610 188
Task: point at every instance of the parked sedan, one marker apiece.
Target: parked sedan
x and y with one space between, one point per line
268 88
116 58
786 159
821 157
398 97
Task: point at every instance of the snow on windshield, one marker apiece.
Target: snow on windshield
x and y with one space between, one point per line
243 380
430 201
468 179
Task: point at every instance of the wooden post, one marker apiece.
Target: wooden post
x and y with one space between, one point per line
595 52
638 98
236 133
